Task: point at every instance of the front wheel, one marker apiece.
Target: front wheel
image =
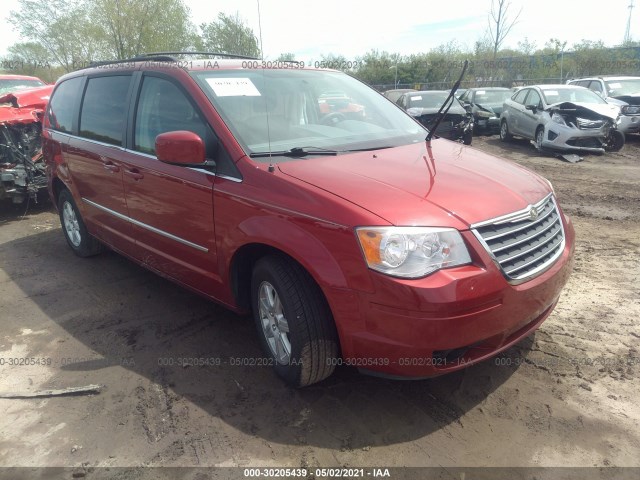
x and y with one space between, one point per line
294 322
75 231
467 137
614 141
539 138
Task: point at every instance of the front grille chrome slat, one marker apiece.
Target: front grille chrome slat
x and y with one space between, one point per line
524 244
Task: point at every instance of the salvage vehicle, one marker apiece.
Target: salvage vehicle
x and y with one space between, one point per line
621 91
424 107
395 94
352 242
485 104
13 83
562 117
339 102
22 168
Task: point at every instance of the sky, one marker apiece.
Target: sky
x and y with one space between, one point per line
310 29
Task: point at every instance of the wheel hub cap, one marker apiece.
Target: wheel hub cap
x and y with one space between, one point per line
71 224
274 324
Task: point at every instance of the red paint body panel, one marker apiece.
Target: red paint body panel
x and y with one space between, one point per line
24 106
309 209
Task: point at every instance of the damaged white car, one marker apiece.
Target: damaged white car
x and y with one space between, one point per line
22 168
562 118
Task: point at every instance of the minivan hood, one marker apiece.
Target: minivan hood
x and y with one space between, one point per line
454 186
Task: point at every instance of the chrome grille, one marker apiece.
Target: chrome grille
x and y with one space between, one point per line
524 243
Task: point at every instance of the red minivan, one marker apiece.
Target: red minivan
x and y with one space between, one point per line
350 238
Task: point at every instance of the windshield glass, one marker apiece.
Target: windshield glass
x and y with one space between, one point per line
623 87
577 94
7 86
427 99
491 96
277 110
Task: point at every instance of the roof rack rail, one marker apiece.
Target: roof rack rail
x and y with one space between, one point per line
140 58
211 54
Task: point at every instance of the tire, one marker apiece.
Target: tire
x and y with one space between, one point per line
294 322
467 137
615 141
539 138
505 135
81 242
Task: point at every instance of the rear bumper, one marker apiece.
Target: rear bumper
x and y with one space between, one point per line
448 320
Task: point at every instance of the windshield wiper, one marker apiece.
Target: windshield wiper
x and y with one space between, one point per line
367 149
295 152
443 111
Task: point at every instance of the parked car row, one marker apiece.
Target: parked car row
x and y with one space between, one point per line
587 114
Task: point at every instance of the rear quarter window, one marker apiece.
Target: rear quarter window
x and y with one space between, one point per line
62 105
104 108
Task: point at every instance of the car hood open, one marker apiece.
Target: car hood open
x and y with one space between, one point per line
454 186
604 109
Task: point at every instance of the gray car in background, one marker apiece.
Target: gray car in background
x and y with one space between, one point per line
562 117
621 91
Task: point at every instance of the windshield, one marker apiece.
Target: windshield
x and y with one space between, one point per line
428 100
623 87
279 110
577 94
12 85
491 96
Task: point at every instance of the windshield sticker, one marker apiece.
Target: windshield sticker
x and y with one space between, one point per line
480 92
615 85
551 92
415 99
233 87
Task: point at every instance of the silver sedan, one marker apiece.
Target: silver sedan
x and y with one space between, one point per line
561 117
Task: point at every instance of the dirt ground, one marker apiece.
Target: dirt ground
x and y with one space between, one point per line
566 396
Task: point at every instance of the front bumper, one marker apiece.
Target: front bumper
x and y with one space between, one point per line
560 137
448 320
629 124
487 125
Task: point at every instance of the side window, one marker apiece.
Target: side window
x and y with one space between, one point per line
519 98
162 107
104 108
595 86
533 99
62 103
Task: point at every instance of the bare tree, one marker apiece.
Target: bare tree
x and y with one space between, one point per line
500 23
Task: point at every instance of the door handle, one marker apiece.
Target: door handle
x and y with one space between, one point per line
134 173
110 166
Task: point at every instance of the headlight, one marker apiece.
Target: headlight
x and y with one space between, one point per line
483 114
556 117
630 109
412 252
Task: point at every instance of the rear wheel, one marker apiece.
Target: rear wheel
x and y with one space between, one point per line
75 231
505 135
294 322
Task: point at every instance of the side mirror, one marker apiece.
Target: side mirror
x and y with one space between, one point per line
180 147
533 108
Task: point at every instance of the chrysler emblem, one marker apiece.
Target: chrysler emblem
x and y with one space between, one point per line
533 213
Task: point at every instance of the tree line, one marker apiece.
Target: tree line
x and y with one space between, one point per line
63 35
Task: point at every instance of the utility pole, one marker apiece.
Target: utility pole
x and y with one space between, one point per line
627 33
